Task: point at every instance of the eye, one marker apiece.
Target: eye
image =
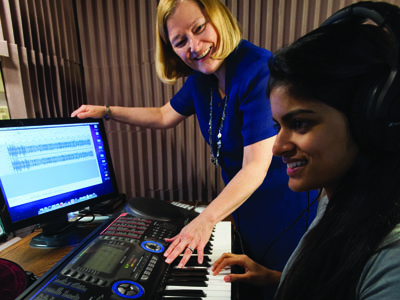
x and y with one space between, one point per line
276 127
200 28
180 43
300 125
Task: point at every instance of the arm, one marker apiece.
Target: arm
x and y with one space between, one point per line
148 117
256 161
254 273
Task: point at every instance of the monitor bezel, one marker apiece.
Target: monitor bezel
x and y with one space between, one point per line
11 226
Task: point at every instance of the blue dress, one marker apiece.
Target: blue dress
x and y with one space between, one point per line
273 206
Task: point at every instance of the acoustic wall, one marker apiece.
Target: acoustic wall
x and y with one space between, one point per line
58 54
41 60
118 45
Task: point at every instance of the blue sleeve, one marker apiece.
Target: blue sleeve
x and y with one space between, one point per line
255 106
182 101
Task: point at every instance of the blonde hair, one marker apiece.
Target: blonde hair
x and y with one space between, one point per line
169 65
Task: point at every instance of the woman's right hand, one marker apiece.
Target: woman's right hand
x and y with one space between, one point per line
90 111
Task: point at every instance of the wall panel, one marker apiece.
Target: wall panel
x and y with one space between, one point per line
58 54
43 76
117 42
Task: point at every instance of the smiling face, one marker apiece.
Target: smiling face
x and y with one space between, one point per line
313 140
193 37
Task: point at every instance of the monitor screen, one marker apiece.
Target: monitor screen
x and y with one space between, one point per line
50 167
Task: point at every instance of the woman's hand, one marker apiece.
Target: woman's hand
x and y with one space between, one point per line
90 111
254 274
193 236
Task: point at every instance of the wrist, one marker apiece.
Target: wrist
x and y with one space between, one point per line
208 216
108 112
272 277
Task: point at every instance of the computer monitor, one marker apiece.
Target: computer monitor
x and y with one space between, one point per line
49 168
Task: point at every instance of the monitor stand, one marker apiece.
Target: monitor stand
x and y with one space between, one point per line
60 233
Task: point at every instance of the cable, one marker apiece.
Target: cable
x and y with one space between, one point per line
75 222
237 220
239 242
308 209
291 225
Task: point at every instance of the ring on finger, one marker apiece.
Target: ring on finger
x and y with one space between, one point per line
190 248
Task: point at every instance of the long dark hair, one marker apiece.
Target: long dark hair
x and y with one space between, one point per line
335 64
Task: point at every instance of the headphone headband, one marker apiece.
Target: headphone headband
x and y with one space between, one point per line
382 106
383 14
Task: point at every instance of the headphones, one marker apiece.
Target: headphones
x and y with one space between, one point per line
380 110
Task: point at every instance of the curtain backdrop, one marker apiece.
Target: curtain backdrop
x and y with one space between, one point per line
62 53
42 72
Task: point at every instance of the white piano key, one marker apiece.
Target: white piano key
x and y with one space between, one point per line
217 288
202 298
210 290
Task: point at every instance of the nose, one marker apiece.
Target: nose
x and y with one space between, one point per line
283 146
194 45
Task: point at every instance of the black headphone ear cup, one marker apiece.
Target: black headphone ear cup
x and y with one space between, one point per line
357 115
375 115
365 128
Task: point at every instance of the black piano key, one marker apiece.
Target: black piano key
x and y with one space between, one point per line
207 258
193 261
187 293
182 298
204 264
184 272
186 282
188 275
207 249
193 270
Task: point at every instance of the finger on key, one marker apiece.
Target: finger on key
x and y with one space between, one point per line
187 254
172 246
175 252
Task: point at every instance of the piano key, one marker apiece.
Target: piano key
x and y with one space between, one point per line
193 261
215 287
187 282
182 298
209 291
187 275
192 298
184 292
208 297
190 270
208 278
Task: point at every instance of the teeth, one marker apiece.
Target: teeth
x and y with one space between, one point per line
296 164
203 54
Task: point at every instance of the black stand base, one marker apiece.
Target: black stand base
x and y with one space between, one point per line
69 237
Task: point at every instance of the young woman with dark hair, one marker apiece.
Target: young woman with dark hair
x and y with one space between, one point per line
319 87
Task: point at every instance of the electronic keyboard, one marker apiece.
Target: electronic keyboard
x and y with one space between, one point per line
123 259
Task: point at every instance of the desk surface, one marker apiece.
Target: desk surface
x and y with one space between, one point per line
31 259
40 260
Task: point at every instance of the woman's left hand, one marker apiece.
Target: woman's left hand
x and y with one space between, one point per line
254 273
193 236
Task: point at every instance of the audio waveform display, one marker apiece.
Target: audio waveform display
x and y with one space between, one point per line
19 165
24 150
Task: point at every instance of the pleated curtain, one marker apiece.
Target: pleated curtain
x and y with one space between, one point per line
58 54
